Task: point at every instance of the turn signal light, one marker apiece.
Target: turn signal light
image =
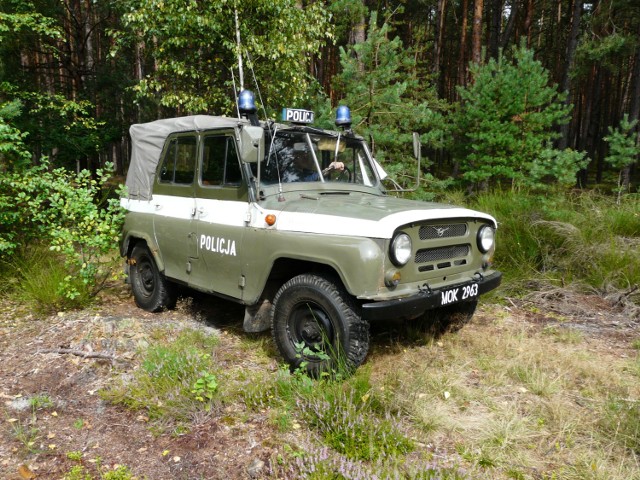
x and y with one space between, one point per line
392 278
270 219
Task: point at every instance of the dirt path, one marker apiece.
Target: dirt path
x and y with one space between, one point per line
64 360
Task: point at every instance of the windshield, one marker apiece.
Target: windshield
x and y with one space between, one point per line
305 157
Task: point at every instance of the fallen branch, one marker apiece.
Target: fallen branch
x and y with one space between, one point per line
80 353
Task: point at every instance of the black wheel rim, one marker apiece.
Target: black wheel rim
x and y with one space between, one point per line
146 277
310 327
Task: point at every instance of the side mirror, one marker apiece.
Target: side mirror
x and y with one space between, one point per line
251 144
417 145
417 152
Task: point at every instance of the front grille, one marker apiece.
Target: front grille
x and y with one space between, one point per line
426 255
429 232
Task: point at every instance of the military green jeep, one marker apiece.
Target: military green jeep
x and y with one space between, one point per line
294 223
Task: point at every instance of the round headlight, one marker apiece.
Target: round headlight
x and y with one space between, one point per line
400 249
486 238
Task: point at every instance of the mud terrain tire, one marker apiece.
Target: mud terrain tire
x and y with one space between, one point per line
317 326
151 290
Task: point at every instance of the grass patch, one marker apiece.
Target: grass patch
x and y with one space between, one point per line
513 404
348 424
621 422
361 433
584 238
81 472
38 277
176 381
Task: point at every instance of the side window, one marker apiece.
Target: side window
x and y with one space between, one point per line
178 164
220 165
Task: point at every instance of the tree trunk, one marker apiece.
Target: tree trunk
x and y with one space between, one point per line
528 21
508 31
495 25
476 36
437 45
634 111
572 45
358 36
462 56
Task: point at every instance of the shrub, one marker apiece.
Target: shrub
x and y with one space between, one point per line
69 214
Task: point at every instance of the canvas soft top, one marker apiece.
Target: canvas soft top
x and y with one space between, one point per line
147 141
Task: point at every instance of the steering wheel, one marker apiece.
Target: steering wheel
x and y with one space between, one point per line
340 177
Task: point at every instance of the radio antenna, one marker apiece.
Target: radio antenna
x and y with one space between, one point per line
255 80
239 44
235 92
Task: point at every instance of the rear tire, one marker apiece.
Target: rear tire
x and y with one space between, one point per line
316 326
151 290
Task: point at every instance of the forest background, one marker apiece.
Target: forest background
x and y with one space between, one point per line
533 98
75 74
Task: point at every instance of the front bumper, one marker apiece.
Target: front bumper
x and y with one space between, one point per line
426 299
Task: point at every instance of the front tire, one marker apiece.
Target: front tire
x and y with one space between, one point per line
316 326
151 290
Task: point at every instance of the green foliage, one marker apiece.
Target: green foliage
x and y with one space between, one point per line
12 148
79 472
65 129
194 49
506 122
27 433
174 381
387 99
75 456
69 214
31 22
205 387
347 15
40 401
605 51
43 121
624 147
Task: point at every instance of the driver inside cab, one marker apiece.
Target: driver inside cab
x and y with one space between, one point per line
305 167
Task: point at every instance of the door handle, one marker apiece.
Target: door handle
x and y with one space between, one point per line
202 212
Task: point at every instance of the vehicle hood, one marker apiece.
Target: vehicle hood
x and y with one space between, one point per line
355 214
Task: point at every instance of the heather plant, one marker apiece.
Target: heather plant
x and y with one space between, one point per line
353 419
325 464
348 425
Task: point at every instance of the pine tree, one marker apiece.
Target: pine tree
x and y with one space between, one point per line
380 84
624 149
506 123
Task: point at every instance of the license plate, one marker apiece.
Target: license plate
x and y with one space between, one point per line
458 294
